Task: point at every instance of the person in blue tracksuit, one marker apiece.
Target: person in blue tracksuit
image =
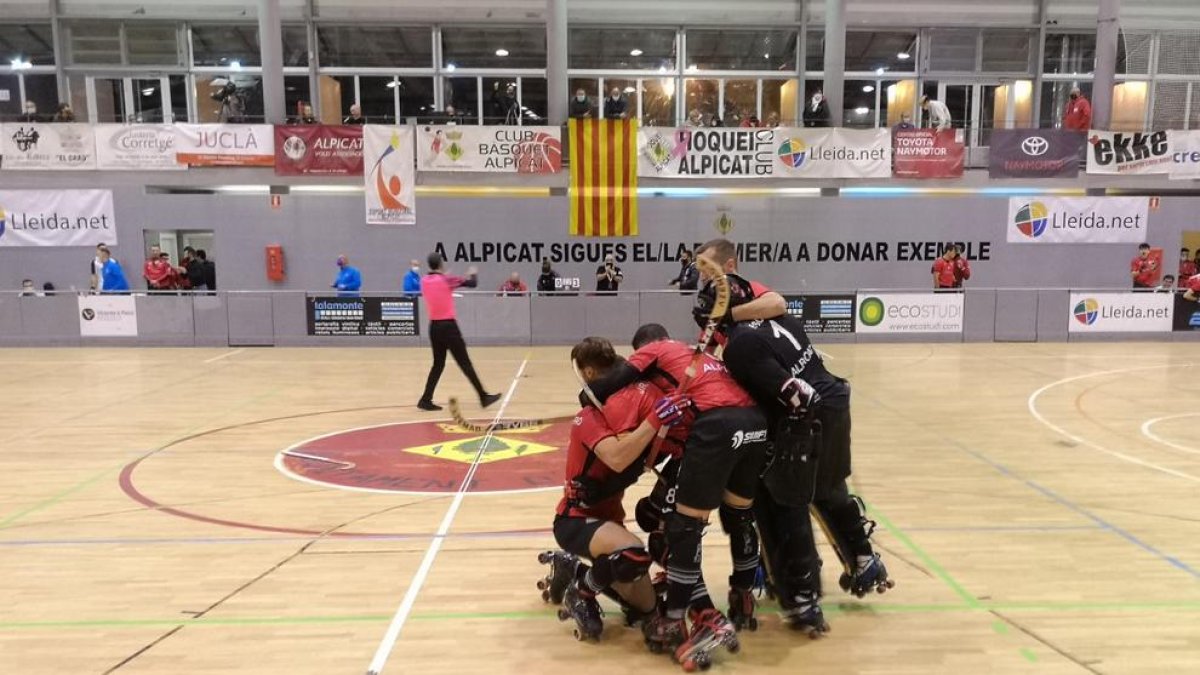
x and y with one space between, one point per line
349 279
111 275
412 280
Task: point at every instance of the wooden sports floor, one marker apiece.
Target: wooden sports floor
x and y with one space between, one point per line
1038 507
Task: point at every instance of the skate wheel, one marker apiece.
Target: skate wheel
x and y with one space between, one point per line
689 666
563 615
844 582
542 585
545 557
546 596
578 636
752 624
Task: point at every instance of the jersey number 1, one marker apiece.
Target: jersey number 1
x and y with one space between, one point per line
778 331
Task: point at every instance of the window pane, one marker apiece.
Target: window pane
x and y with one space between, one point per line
778 102
1133 53
814 50
742 49
30 42
377 95
375 46
416 96
741 102
295 46
151 44
95 42
614 48
219 45
215 104
1068 53
1008 50
658 102
478 47
179 103
147 101
501 100
1194 123
43 91
533 100
627 90
110 103
1055 97
1179 53
858 104
461 93
295 96
870 51
701 102
952 50
1170 103
10 97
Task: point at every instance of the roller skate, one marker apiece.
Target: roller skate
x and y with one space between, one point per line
870 574
741 609
663 634
561 574
585 611
803 613
710 630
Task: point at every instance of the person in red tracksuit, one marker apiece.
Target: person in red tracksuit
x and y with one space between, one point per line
950 269
1078 115
1187 266
1142 269
1191 288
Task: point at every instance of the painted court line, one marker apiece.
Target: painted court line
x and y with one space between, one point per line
225 355
414 588
1159 439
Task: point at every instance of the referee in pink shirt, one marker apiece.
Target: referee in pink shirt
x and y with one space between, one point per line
437 289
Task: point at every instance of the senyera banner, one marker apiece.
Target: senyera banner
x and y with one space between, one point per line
319 150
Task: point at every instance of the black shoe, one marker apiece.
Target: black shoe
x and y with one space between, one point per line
488 399
428 405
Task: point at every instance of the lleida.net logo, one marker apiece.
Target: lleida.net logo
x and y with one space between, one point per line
3 219
1031 220
1087 311
870 312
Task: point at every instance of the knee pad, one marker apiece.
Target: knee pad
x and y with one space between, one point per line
735 520
629 564
648 515
678 524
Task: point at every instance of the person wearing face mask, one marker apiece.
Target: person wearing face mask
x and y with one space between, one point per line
615 107
547 281
581 105
348 280
1078 115
412 280
31 113
816 113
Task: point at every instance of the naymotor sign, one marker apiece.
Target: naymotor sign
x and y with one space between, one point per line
910 312
1120 313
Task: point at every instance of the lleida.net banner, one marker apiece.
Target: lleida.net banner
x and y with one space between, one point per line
60 147
1120 313
910 312
536 150
57 218
389 176
823 313
1077 220
107 316
1123 152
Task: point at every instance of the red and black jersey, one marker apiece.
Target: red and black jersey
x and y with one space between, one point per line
713 387
1192 284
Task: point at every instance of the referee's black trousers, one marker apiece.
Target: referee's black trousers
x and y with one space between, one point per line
445 336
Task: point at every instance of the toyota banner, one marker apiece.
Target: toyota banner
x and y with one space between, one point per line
1035 153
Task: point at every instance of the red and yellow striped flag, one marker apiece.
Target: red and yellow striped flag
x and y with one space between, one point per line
604 178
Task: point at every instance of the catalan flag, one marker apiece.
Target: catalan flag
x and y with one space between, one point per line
604 178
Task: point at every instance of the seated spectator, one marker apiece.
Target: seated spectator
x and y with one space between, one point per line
1167 285
27 290
355 116
450 116
750 121
581 105
905 123
615 106
48 289
64 113
306 115
513 286
695 118
547 281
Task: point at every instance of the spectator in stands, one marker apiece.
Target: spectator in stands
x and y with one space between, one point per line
349 279
1078 115
1187 266
156 271
210 270
505 109
615 106
951 269
193 269
772 120
30 113
27 290
939 114
581 105
513 285
64 113
113 277
1167 285
695 118
412 278
306 114
688 277
355 116
547 281
97 278
816 113
48 289
905 123
608 277
450 116
750 121
173 277
1142 269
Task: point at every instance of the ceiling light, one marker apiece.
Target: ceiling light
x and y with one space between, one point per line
236 65
629 90
451 67
391 85
692 68
662 70
868 88
880 71
635 52
904 56
148 91
20 64
766 56
862 110
501 52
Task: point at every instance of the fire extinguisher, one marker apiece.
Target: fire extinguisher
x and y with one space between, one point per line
275 271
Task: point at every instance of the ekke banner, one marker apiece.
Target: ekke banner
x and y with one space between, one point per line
1121 152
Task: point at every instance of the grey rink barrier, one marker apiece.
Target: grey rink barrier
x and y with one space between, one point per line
279 318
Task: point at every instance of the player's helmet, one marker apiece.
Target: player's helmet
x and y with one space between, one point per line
740 292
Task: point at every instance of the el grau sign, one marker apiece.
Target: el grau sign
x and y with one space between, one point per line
748 251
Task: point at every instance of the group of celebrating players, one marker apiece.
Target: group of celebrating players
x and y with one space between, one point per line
761 436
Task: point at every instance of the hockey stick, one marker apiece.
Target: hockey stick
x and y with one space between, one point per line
720 306
457 415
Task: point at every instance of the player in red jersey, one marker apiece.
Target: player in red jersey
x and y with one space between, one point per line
1191 288
950 269
602 461
1143 269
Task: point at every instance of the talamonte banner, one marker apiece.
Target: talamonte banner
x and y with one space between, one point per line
833 153
318 150
1120 313
823 313
706 152
1035 153
389 177
225 144
362 316
61 147
928 153
136 147
57 218
1128 152
107 316
489 149
910 312
1077 220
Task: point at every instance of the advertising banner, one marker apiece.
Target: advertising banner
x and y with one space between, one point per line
107 316
910 312
823 313
833 153
928 153
706 153
1035 153
389 176
225 144
1187 313
318 150
362 316
57 218
136 147
1077 220
1123 152
60 147
489 149
1120 313
1185 154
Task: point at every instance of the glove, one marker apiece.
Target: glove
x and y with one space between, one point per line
798 396
669 410
582 490
701 312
